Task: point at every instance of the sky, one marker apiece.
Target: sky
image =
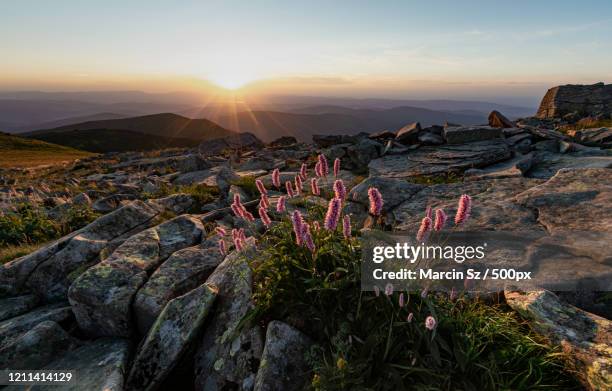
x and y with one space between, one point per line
411 49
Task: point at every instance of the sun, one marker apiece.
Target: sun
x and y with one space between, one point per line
231 78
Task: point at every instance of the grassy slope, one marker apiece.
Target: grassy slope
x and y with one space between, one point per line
22 152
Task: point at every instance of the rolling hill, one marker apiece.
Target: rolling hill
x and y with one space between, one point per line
23 152
134 133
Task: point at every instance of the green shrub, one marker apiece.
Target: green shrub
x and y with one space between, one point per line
365 342
247 183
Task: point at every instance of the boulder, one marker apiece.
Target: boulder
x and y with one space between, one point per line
597 137
283 365
283 141
498 120
59 264
170 337
586 100
14 306
360 154
235 141
13 328
228 357
468 134
440 160
110 203
408 134
101 298
181 272
585 337
429 138
382 135
37 347
394 191
219 176
546 164
176 203
324 141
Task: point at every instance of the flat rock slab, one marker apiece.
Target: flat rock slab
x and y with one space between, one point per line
440 160
573 200
227 358
468 134
36 348
14 306
50 270
99 366
170 337
547 164
15 327
493 206
584 336
181 272
101 298
283 365
393 191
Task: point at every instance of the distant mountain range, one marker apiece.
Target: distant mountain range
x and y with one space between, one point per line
134 133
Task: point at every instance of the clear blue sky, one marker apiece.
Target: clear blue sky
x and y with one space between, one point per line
339 47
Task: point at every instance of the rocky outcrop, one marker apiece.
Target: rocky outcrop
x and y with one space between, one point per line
441 159
597 137
498 120
583 100
283 365
393 191
228 356
13 328
468 134
236 141
15 306
181 272
408 134
37 347
101 298
171 335
585 337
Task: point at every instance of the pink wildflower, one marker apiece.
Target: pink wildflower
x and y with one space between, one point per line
289 189
409 317
238 211
333 214
318 171
424 230
280 205
314 186
430 323
376 201
264 202
324 165
237 199
389 289
298 184
428 212
336 167
303 171
376 291
298 227
248 216
453 294
339 189
307 237
241 234
401 299
239 244
261 187
221 231
265 219
346 226
440 220
424 293
222 248
463 209
276 178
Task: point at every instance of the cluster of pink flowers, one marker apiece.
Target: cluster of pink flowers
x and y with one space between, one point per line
280 204
239 238
339 189
376 201
239 209
276 178
336 167
424 229
304 171
314 186
333 214
298 184
289 189
463 209
440 220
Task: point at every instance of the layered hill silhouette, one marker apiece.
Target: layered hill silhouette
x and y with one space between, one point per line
269 125
132 134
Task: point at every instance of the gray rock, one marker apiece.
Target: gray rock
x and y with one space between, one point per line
408 134
382 135
587 100
428 138
58 265
586 338
360 154
101 298
498 120
177 203
394 191
219 177
235 141
283 141
15 306
170 337
284 177
547 145
14 327
440 160
37 347
515 167
236 190
181 272
110 203
597 137
468 134
228 357
324 141
283 366
547 164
